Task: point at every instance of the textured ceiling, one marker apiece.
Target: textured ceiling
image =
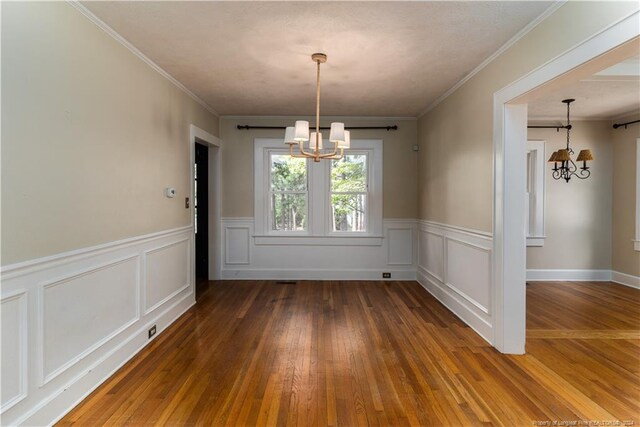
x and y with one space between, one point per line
608 94
253 58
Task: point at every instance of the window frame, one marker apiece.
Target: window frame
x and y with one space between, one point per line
536 183
636 241
319 227
270 212
329 212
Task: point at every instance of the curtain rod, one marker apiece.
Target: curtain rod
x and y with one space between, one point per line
387 128
617 125
557 128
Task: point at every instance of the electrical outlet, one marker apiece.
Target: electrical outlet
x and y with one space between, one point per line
152 331
386 275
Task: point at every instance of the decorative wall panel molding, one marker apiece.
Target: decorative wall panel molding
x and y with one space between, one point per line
237 239
246 256
167 273
14 348
398 251
454 265
99 297
70 320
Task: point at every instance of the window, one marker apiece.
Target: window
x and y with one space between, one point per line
535 193
349 187
299 201
288 193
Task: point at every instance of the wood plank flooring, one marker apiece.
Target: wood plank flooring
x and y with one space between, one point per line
377 353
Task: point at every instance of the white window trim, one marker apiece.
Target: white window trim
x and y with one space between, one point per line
535 228
636 241
319 230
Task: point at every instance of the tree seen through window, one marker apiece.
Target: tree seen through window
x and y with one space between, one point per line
288 193
349 187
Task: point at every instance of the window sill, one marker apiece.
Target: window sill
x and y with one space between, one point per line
318 240
535 241
636 245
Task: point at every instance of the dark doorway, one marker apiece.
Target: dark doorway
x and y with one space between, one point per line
201 212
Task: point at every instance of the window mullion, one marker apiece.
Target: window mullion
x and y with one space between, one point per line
317 193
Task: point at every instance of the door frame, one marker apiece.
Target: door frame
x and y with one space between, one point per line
215 201
509 179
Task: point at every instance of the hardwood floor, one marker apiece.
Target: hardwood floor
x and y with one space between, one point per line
377 353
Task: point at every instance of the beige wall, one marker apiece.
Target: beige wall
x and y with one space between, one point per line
578 213
456 145
625 258
399 162
91 136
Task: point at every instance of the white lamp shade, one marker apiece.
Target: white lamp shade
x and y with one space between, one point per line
312 141
289 134
347 140
337 132
301 131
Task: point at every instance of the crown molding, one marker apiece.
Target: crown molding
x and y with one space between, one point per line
523 32
563 119
624 116
124 42
285 117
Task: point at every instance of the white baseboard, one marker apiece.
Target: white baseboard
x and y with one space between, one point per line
569 275
309 274
456 305
625 279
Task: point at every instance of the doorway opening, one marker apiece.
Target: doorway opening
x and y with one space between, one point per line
205 209
510 136
201 216
588 217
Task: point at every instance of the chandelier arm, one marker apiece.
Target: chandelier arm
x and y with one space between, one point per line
307 153
297 156
582 174
333 153
334 156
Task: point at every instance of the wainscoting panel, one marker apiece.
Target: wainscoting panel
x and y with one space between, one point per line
246 256
14 349
81 312
431 250
455 266
467 266
166 273
70 320
399 247
237 241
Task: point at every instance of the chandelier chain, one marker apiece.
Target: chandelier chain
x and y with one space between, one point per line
317 102
568 127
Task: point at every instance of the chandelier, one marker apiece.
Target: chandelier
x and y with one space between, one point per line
563 166
310 145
